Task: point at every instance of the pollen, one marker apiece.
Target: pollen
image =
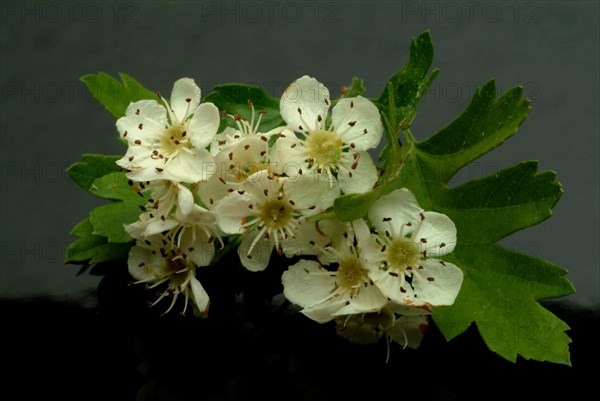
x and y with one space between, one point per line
350 274
324 147
402 254
173 138
275 214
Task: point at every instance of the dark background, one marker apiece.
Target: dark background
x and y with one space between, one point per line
48 120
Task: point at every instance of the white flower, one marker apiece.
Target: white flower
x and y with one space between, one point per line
171 260
269 210
165 196
233 165
231 136
326 294
406 250
404 325
337 151
168 142
238 154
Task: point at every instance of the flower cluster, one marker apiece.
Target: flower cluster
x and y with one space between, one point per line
267 191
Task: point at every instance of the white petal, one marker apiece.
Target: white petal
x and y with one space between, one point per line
311 97
357 121
204 125
369 299
408 331
289 155
185 199
185 97
261 186
309 195
363 178
324 312
303 287
200 296
390 287
151 109
144 265
307 241
147 126
362 233
222 140
190 165
195 243
141 165
439 232
437 284
136 229
400 205
233 210
214 189
138 157
157 226
255 258
246 157
248 153
339 233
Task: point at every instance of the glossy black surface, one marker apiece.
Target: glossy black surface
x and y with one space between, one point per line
66 352
253 347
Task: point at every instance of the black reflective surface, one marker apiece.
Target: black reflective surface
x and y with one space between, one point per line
255 348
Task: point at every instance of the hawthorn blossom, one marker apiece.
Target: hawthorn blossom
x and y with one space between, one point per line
269 210
232 167
348 290
244 128
335 151
171 260
168 141
243 154
407 250
164 197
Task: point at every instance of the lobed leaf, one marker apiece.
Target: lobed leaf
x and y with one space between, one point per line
115 96
95 249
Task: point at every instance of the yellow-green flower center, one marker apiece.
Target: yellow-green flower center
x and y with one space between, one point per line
324 147
275 214
350 273
172 138
402 253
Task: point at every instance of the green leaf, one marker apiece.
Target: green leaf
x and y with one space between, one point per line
115 96
510 200
95 249
485 124
100 176
233 99
108 220
357 88
409 83
499 293
92 167
500 287
115 186
82 229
